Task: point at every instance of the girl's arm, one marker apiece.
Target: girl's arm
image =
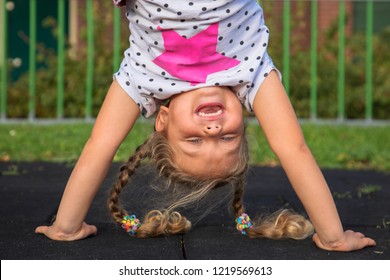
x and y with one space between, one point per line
279 123
116 118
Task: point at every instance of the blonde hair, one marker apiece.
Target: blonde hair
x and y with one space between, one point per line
282 224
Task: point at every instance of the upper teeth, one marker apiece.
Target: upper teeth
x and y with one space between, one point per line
217 113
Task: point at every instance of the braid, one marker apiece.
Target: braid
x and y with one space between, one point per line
126 171
281 224
238 197
155 222
163 223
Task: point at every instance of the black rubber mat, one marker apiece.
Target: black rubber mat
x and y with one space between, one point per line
30 193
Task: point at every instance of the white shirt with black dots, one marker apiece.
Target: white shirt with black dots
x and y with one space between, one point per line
181 45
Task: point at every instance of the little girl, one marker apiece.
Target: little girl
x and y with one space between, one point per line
207 58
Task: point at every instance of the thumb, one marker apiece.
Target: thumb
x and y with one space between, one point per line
86 230
92 230
42 229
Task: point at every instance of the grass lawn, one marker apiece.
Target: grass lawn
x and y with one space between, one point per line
349 147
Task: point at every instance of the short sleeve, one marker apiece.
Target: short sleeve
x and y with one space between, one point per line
119 3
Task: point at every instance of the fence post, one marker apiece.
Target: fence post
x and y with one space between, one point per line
369 58
286 45
341 62
90 63
313 60
117 31
4 64
61 60
32 59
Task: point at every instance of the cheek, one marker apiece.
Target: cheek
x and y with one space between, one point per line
237 121
235 104
238 114
180 128
181 122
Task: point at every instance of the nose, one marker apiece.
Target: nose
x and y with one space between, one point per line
212 129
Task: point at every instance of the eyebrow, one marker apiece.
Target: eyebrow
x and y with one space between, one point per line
196 152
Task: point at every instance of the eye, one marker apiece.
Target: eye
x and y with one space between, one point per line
194 140
227 138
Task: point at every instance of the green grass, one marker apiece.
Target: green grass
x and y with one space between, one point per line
58 143
349 147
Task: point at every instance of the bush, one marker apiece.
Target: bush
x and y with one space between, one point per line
75 74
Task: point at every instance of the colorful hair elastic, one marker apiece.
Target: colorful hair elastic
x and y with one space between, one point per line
243 222
131 224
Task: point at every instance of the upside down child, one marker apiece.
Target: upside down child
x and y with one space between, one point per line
195 64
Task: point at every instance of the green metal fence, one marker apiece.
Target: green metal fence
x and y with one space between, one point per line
91 41
341 57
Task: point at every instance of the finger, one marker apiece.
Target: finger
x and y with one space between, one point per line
359 234
315 237
92 230
318 242
363 240
370 242
42 229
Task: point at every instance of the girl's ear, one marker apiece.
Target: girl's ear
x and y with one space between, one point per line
162 119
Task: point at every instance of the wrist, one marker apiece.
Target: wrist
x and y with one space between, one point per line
332 243
64 232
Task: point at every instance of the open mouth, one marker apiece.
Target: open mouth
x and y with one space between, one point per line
210 110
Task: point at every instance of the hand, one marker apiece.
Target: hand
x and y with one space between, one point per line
55 233
351 241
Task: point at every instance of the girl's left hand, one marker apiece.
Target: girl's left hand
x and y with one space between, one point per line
351 241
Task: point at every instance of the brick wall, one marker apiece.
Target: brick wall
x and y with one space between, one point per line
328 12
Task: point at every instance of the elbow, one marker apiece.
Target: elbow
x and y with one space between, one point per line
101 144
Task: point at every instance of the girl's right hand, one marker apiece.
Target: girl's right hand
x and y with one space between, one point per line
55 233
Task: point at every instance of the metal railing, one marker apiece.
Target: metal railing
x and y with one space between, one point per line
89 88
341 57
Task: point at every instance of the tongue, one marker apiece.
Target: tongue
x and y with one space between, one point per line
209 109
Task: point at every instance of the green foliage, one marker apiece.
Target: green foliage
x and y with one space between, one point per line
368 190
327 63
75 73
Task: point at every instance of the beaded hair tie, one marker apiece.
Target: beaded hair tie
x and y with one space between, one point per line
243 222
131 224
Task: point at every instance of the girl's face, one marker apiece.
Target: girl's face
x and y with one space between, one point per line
204 128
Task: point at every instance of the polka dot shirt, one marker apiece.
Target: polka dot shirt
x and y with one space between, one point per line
181 45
